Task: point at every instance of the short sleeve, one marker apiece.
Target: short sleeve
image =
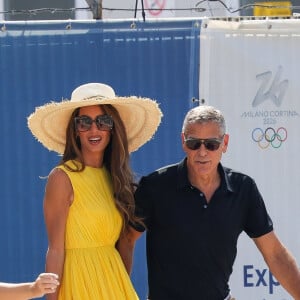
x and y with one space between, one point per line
258 221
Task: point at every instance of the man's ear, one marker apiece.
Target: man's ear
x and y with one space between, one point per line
225 142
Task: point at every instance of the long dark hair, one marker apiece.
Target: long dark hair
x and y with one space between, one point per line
116 159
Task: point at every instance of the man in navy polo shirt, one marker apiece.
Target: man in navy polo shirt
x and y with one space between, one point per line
194 212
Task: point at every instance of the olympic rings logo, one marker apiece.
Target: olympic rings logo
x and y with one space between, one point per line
270 136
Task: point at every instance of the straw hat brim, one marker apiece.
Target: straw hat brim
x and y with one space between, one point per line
141 118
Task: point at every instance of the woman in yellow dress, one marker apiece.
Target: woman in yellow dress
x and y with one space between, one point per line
88 200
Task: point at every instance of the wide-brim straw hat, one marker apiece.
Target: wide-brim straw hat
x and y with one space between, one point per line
141 116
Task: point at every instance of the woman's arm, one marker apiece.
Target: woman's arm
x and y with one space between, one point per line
57 200
125 246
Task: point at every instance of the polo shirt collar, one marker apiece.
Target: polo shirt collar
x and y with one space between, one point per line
183 181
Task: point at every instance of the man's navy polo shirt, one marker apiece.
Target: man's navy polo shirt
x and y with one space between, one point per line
191 245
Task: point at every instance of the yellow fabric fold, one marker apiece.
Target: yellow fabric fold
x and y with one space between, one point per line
93 268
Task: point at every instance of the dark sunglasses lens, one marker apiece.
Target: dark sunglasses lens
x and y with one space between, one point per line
193 144
83 123
104 122
212 145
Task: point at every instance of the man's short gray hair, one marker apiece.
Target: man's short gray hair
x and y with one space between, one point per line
204 114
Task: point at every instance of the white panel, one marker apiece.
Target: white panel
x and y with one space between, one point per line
250 70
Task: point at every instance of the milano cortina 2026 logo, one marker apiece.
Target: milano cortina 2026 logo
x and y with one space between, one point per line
270 134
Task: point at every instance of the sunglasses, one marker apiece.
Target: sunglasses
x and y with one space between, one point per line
209 144
103 122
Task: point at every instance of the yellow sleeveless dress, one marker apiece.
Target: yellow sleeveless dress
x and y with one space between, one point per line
93 269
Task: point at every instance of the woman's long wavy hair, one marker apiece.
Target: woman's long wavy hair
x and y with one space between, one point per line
116 160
